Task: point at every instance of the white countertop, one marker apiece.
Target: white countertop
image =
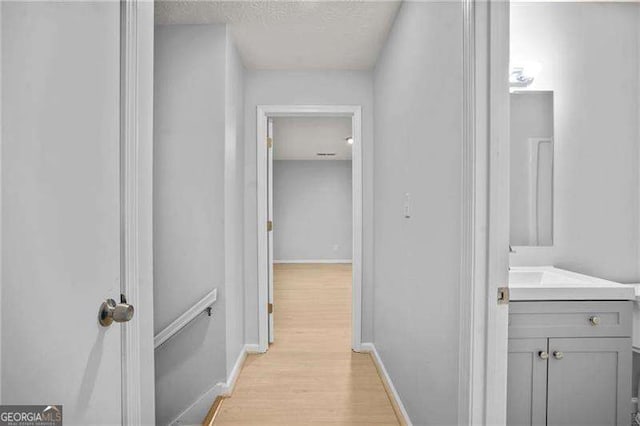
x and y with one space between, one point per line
637 288
549 283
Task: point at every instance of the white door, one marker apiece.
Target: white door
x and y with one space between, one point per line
270 219
61 207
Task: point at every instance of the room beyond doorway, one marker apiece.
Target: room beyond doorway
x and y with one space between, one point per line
265 115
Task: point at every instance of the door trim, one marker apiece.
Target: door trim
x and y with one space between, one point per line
136 250
485 214
1 285
264 112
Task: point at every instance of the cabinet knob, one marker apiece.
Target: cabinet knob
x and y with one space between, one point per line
558 354
594 320
543 355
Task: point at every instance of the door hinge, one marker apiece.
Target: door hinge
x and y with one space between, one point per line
269 142
503 295
270 308
269 225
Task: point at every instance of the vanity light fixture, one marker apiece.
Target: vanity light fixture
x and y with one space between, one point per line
523 75
349 140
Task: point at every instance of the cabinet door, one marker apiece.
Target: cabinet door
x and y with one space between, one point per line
589 381
527 382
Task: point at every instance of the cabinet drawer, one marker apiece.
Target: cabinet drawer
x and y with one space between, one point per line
570 319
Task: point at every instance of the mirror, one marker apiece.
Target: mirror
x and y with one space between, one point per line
532 161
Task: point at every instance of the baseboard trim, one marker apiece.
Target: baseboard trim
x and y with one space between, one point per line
197 411
203 406
314 261
253 349
235 372
213 411
396 402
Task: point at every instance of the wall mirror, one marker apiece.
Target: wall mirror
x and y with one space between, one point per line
532 162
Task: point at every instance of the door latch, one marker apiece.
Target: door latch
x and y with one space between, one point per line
503 296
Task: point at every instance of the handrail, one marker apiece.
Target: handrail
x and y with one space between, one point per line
204 305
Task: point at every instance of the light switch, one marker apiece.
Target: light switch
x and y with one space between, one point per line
407 205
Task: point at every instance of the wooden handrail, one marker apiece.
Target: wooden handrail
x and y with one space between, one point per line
202 306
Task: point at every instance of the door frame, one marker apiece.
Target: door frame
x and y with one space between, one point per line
136 209
482 394
263 113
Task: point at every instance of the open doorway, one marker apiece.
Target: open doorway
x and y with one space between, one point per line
312 242
309 249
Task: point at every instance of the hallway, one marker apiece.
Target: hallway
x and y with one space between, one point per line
310 374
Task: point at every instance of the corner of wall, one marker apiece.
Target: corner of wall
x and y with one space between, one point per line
234 200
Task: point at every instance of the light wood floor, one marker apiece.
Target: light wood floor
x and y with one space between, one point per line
309 375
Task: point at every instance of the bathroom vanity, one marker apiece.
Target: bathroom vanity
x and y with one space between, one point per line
570 357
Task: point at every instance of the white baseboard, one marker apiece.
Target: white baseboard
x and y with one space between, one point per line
235 372
388 383
197 411
253 349
313 261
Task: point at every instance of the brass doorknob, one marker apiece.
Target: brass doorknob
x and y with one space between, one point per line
111 311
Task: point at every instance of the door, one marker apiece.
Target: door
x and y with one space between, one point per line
589 381
527 382
270 222
61 207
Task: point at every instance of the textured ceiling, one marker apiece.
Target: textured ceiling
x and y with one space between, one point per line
278 34
302 138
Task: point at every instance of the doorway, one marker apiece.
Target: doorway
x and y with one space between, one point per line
265 167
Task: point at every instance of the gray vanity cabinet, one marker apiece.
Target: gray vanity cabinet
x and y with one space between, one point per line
589 382
527 382
569 363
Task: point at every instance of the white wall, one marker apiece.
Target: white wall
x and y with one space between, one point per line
189 209
302 88
418 149
589 56
312 212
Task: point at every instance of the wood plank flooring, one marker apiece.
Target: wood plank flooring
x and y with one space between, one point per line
309 375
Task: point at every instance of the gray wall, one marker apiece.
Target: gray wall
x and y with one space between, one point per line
589 56
316 193
531 117
303 88
234 202
418 149
189 208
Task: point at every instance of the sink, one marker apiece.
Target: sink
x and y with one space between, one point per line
549 283
540 278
